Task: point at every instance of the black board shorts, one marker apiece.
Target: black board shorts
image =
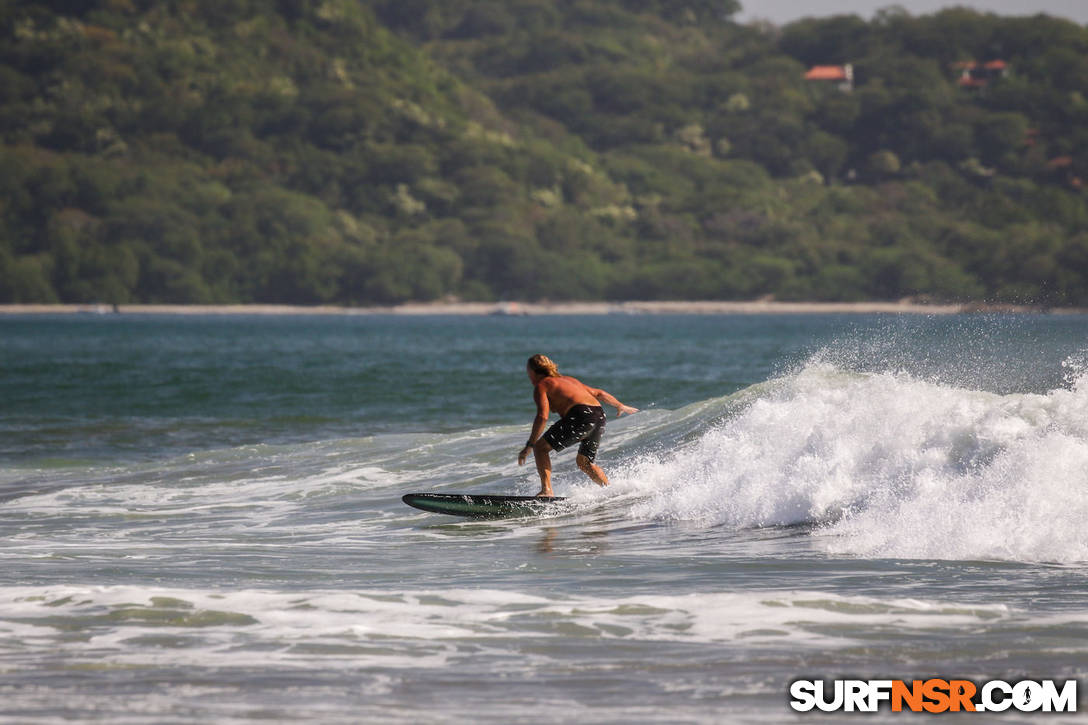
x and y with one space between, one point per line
583 423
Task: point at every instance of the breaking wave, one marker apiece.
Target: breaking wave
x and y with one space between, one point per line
889 465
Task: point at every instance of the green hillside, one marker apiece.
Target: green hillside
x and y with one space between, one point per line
352 151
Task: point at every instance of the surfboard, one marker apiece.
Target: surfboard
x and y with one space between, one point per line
481 506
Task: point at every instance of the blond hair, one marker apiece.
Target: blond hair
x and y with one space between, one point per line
543 365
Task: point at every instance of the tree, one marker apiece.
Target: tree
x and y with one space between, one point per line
378 151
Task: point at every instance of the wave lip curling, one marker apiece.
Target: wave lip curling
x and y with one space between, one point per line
889 465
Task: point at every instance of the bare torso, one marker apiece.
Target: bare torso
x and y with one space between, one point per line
564 392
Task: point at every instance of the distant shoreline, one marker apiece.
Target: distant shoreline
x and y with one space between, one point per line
513 309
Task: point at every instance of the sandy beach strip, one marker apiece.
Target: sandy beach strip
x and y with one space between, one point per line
709 307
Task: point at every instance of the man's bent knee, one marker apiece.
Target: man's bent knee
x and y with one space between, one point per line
592 470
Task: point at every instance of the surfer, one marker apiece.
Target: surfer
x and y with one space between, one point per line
581 420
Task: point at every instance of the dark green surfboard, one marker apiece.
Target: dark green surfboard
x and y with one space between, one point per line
481 506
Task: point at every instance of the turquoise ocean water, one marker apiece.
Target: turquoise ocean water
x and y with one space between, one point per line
201 516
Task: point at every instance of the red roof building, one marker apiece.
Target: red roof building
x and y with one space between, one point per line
843 75
978 75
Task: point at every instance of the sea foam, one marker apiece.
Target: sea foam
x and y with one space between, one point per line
889 465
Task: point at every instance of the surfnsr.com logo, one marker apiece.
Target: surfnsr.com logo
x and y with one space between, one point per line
933 695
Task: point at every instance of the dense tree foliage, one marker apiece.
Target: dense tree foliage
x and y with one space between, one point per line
377 151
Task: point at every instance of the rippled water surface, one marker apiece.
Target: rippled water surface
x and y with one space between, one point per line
202 515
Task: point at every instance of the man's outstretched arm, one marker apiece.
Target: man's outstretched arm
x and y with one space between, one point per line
605 397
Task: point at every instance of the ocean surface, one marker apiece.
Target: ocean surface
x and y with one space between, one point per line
201 516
